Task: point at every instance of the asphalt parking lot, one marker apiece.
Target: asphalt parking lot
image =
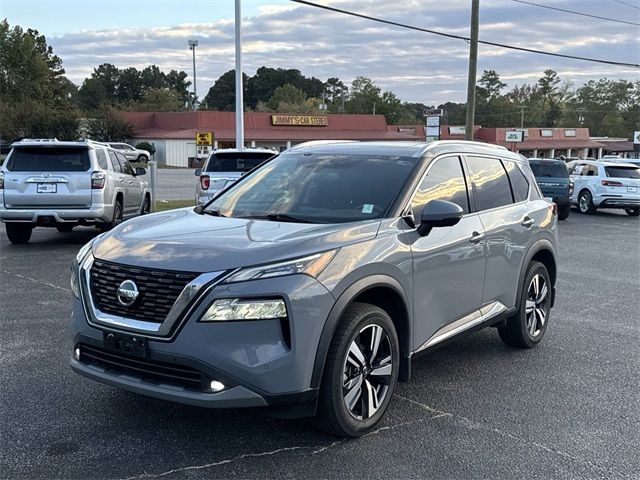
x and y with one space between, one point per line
176 184
473 409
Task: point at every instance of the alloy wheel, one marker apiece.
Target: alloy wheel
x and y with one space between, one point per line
537 305
367 372
584 203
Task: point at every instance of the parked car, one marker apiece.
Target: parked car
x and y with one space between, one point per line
131 153
631 161
605 185
310 284
64 184
553 179
225 166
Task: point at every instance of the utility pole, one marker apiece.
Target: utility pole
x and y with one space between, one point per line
239 93
522 109
192 46
473 63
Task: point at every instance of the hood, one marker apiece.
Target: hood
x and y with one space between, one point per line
184 240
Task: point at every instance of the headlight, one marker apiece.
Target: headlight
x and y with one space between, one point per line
311 265
245 309
75 286
83 252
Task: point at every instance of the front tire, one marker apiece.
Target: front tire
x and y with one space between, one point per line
360 374
633 212
526 328
18 233
142 159
585 202
146 206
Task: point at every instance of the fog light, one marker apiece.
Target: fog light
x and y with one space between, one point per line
76 353
216 386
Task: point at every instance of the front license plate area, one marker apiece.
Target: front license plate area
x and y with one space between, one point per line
632 189
47 188
549 199
126 344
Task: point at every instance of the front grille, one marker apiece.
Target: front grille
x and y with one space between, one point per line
158 289
146 370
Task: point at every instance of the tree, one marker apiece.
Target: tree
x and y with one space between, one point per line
159 100
287 94
109 126
335 94
222 95
364 97
35 94
489 85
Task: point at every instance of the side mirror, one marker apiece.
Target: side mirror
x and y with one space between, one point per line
198 172
140 171
439 213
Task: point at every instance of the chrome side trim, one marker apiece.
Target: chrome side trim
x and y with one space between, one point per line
468 321
100 319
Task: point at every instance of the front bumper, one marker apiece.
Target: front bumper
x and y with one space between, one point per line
260 362
99 213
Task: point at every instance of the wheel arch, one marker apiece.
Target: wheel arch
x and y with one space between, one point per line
542 251
380 290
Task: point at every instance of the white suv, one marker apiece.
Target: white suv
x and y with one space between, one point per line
48 183
605 185
132 154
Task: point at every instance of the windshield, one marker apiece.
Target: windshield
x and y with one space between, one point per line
622 172
237 161
319 188
43 159
549 169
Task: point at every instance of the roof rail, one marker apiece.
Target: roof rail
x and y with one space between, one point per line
27 140
311 143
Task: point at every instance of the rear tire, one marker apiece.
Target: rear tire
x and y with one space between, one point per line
526 328
18 233
65 228
360 374
633 212
585 202
563 212
117 218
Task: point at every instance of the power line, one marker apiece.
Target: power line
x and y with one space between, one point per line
466 39
627 4
576 13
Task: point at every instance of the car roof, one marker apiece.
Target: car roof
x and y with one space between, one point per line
605 164
55 143
550 160
245 150
403 148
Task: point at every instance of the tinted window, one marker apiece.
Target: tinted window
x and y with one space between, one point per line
549 169
114 162
444 181
322 188
519 183
237 161
42 159
102 158
622 172
490 182
126 166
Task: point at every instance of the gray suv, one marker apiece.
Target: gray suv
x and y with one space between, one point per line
49 183
309 285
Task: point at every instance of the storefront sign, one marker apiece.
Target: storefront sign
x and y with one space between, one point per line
410 130
300 120
457 130
204 138
513 136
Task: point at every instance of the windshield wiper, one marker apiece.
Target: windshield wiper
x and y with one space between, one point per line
280 217
201 210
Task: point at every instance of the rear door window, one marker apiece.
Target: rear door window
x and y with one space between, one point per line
444 181
52 159
236 161
124 163
490 182
549 169
519 183
622 172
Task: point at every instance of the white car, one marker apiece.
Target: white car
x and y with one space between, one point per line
131 153
600 184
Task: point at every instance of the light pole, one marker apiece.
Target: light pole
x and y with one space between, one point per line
473 59
192 46
239 93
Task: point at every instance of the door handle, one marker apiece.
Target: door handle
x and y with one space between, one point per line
527 222
121 179
130 182
477 237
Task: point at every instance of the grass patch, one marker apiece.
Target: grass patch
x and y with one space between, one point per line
162 205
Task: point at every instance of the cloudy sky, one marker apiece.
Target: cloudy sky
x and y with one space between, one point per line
278 33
